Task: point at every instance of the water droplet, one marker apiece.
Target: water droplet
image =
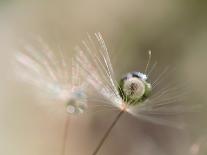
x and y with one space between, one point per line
77 104
70 109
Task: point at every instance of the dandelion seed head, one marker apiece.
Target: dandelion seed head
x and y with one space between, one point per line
51 74
134 87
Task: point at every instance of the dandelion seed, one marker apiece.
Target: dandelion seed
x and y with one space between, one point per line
133 94
48 71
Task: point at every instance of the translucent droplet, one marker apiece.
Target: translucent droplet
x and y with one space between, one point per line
133 88
77 103
70 109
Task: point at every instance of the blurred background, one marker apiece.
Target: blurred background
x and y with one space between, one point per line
174 30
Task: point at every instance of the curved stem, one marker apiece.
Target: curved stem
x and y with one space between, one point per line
107 133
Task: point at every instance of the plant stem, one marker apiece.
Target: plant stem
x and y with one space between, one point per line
107 133
65 135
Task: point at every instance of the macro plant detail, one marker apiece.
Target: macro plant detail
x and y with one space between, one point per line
91 69
135 93
48 71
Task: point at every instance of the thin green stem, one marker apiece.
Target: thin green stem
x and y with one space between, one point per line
107 133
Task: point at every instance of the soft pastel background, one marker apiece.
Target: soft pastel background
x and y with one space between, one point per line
175 31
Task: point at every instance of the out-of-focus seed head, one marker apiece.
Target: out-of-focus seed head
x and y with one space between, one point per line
77 103
134 88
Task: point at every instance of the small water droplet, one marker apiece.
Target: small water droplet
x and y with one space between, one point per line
70 109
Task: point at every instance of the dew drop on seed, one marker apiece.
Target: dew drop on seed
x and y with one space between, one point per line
77 104
70 109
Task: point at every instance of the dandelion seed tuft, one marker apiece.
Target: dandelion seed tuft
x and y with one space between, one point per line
47 70
134 93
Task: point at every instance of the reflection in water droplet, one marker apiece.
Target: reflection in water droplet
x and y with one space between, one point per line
70 109
77 104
